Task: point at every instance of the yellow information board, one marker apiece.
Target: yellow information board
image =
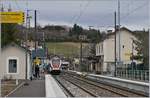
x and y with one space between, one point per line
12 17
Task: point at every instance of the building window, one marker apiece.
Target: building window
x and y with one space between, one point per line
123 46
12 66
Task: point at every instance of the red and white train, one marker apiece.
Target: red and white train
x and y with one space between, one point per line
55 65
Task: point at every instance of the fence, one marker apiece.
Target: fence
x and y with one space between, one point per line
142 75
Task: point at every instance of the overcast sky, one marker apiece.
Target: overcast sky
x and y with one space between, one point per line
97 13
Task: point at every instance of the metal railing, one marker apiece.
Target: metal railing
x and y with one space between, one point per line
142 75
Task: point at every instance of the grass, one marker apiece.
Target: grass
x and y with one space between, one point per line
67 49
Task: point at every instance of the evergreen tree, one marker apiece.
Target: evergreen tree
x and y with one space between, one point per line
142 46
8 33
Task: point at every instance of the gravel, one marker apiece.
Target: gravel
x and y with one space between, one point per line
77 92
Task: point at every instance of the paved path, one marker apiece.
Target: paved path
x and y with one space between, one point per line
36 88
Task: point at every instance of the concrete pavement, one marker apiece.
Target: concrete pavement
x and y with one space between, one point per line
36 88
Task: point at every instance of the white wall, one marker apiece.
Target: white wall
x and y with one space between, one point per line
13 52
126 40
109 48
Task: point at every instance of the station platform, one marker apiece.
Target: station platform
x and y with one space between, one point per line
36 88
52 88
45 87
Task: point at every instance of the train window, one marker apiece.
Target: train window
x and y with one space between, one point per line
56 61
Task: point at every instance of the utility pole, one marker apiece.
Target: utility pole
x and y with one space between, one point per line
0 51
81 38
80 54
35 27
119 30
44 47
115 58
43 40
26 38
35 31
132 55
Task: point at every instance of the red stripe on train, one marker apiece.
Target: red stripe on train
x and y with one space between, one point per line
55 66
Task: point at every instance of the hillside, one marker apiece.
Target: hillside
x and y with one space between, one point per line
56 33
67 49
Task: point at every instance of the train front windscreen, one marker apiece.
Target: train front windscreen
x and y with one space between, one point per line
56 63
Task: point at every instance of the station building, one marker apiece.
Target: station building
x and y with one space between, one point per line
13 62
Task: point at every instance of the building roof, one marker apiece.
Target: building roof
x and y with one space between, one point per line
113 33
13 44
121 29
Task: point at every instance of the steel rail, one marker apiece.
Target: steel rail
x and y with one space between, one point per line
121 89
67 91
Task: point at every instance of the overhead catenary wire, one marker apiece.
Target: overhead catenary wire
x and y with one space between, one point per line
127 16
17 5
104 16
81 12
131 12
128 13
74 16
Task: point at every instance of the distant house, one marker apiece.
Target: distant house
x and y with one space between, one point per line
13 62
105 50
30 44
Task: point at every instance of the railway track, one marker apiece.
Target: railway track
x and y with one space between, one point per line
94 90
82 88
111 90
66 91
